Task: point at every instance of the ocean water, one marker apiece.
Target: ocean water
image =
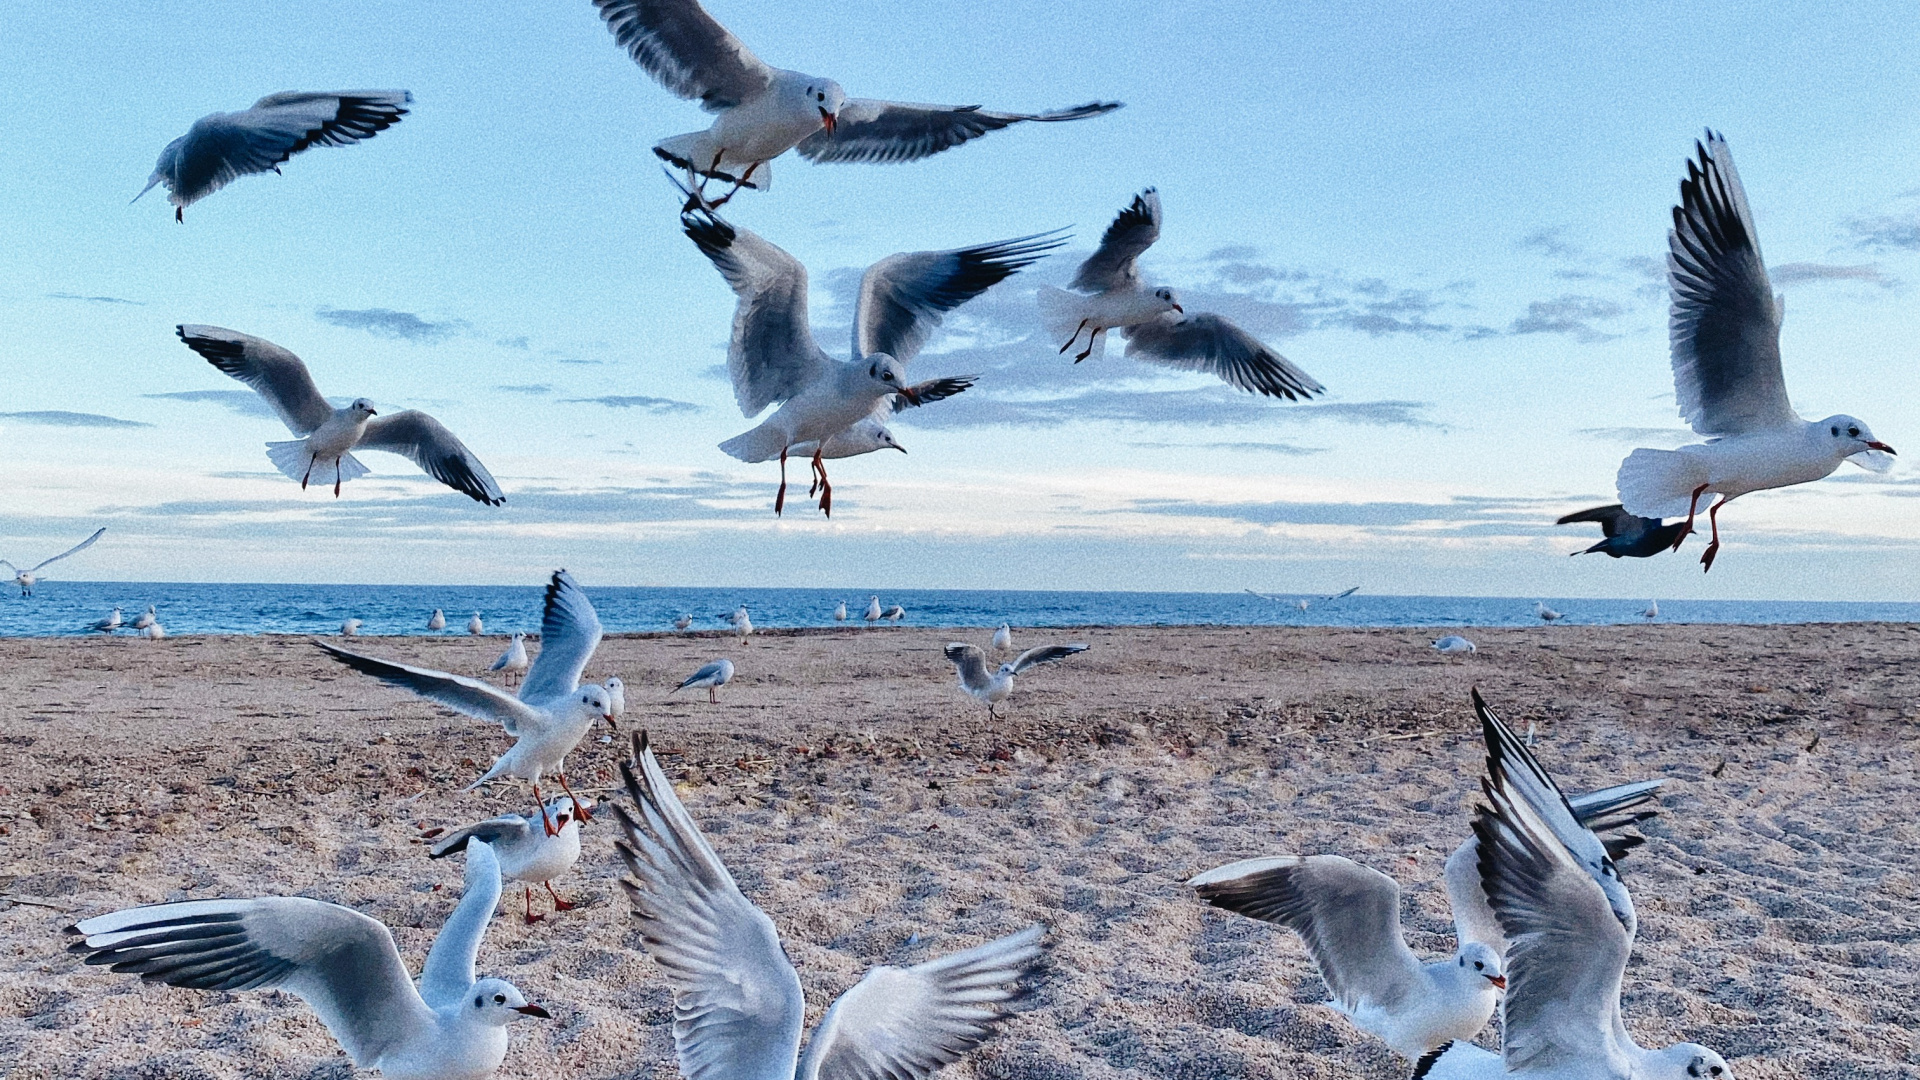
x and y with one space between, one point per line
70 607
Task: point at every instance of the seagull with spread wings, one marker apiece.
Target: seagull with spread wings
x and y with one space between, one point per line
28 578
990 688
738 1008
1725 340
762 112
222 147
329 435
773 358
527 852
1624 535
1109 295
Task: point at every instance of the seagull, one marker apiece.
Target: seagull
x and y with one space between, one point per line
350 628
513 662
616 696
1340 595
552 713
737 1001
526 853
774 359
871 433
437 621
1348 916
328 435
109 624
1653 610
476 626
684 621
1725 331
1557 894
147 619
26 579
896 613
712 676
1159 330
155 631
840 612
221 147
342 964
1625 535
992 688
762 112
742 625
1003 638
1453 643
872 614
1546 613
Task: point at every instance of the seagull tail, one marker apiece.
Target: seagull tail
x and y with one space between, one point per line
291 458
761 444
151 184
1659 483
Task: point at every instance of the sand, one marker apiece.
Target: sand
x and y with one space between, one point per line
861 799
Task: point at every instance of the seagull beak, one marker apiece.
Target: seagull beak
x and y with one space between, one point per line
1498 980
1882 447
608 717
1179 309
828 120
900 448
533 1010
907 392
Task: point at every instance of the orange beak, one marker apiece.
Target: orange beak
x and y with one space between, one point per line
608 717
828 120
1179 309
1882 447
1498 980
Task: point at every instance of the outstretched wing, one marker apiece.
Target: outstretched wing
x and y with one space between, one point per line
505 829
971 665
448 974
772 355
925 392
1613 520
1116 262
692 55
902 297
274 373
1214 344
469 697
225 146
431 446
1045 654
569 633
74 550
888 131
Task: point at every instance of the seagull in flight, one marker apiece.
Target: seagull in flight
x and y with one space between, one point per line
28 578
1625 535
761 112
328 435
990 688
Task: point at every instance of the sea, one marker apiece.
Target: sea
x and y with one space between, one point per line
68 608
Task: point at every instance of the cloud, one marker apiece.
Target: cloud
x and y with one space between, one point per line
57 418
1208 407
1886 232
657 405
1801 272
387 323
1288 449
1456 517
1551 243
244 402
407 505
1663 436
515 343
94 299
1572 315
529 388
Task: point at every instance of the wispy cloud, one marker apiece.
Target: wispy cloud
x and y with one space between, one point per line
57 418
1455 517
1898 231
1287 449
244 402
1207 407
657 405
1658 435
527 388
95 299
387 323
1805 272
1575 316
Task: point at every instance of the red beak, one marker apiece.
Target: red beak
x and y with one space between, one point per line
1499 981
1179 309
1882 447
533 1010
907 392
828 120
608 717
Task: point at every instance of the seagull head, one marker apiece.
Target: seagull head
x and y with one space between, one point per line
497 1003
891 376
562 810
1166 297
1480 959
363 408
885 438
595 701
1702 1062
826 97
1854 441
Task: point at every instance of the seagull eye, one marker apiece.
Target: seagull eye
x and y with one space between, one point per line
1478 966
820 97
499 999
1854 431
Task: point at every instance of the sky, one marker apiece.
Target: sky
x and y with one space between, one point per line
1453 216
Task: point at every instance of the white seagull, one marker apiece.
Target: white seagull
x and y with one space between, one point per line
146 619
221 147
526 852
896 613
840 612
155 631
328 435
343 964
872 614
738 1007
476 626
870 433
109 624
684 621
742 624
616 695
437 621
1653 610
1546 613
762 112
27 578
553 711
350 628
773 358
512 663
1453 643
712 676
1159 330
990 688
1003 638
1725 337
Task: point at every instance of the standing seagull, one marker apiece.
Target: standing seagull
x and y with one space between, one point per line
155 631
1158 329
1653 610
762 112
526 853
738 1007
512 663
896 613
712 676
741 622
1546 613
343 964
109 624
327 435
223 146
350 628
146 619
552 713
616 696
1725 331
1625 535
26 579
840 612
992 688
1003 638
872 614
476 625
774 359
437 621
684 621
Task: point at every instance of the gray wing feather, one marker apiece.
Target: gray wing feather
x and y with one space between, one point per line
469 697
902 297
925 392
1725 325
437 451
274 373
971 665
1213 344
707 671
74 550
772 355
569 633
503 831
1045 654
692 55
449 974
1115 263
224 146
891 131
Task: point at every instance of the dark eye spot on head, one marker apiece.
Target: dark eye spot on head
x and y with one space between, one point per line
477 1002
821 97
1478 966
500 999
1854 431
1836 431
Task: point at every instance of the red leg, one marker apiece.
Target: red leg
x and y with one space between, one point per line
578 810
544 817
527 893
826 489
1713 518
558 904
304 477
1693 508
712 699
780 500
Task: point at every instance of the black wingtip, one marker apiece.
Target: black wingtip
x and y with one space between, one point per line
1428 1060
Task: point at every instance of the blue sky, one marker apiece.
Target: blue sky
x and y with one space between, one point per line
1452 218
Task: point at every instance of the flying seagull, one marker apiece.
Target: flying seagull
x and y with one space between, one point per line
1628 536
28 578
328 435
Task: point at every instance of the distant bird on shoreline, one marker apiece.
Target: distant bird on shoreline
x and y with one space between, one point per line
895 614
513 662
146 619
109 624
840 612
1653 610
476 625
742 623
616 696
1626 535
1546 613
1003 638
26 579
872 614
155 631
350 628
990 688
1453 643
713 676
437 621
684 621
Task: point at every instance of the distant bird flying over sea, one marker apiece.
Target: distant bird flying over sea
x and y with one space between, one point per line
990 688
1625 535
1159 330
28 578
328 435
221 147
762 112
1725 340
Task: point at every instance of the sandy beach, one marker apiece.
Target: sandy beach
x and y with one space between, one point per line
861 799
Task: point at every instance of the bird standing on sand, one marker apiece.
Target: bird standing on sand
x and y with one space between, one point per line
990 688
155 631
1546 613
1453 643
26 579
1725 338
1628 536
513 662
146 619
1003 638
476 626
526 852
107 625
1653 610
742 624
712 676
437 621
616 696
896 613
840 612
350 628
872 614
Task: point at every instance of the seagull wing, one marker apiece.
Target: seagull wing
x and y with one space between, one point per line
74 550
1116 262
436 450
737 1002
925 392
889 131
448 974
1213 344
971 665
1045 654
1613 520
699 678
503 831
1725 324
772 356
1347 915
692 55
906 1023
272 372
340 962
468 697
569 633
902 297
224 146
